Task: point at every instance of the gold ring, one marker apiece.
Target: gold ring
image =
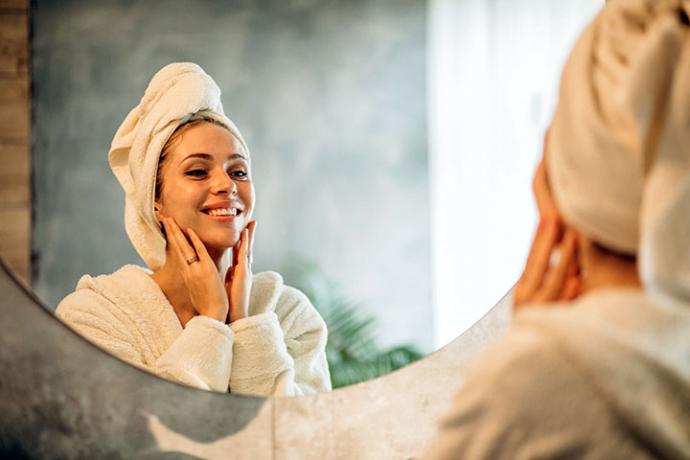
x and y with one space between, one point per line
191 260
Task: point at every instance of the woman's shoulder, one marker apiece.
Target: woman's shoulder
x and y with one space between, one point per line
270 293
105 289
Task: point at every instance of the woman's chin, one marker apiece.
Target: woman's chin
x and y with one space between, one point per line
220 244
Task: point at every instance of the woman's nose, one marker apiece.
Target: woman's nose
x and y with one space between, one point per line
226 185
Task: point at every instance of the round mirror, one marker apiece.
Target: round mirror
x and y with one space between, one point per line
392 144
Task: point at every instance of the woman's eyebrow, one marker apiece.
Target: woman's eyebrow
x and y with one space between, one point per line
206 156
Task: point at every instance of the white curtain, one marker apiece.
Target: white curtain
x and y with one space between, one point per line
493 77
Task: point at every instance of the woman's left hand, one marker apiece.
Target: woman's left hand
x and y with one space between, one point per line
238 279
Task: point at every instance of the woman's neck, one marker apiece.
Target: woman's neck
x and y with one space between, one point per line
602 270
222 258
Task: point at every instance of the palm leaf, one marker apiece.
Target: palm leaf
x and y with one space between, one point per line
352 351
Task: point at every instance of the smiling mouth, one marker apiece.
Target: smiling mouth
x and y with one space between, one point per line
222 212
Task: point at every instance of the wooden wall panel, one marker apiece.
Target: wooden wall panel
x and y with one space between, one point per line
15 167
14 4
14 50
15 234
15 175
14 108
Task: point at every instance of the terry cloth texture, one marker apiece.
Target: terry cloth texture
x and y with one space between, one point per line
278 350
607 377
175 93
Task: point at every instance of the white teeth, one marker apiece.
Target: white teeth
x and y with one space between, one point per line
223 212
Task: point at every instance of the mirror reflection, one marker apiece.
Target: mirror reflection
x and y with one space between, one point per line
385 144
199 316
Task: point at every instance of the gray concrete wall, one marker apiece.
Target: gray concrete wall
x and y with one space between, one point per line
331 96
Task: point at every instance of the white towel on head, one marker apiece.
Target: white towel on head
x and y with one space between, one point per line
176 92
618 152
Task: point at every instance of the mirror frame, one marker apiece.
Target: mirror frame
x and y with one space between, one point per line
58 387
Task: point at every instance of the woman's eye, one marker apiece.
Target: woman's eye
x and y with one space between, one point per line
238 173
197 172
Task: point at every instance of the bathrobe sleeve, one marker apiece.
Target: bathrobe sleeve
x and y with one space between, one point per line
522 399
201 356
281 352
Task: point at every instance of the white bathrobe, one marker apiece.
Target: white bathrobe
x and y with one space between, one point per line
607 377
278 350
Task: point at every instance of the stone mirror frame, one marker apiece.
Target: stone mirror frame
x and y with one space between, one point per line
62 397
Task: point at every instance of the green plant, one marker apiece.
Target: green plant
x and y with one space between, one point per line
352 351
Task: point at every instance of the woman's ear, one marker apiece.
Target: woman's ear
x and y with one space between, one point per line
158 215
159 218
548 211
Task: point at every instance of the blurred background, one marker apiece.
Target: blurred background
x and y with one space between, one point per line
393 143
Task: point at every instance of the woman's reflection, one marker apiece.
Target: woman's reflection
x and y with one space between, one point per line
198 316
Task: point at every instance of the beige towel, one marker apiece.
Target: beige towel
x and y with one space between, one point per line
176 92
619 145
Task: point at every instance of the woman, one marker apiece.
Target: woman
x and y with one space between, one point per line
597 361
198 316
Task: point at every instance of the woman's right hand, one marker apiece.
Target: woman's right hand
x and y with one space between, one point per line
206 289
547 279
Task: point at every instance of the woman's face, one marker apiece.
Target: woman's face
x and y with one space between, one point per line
206 185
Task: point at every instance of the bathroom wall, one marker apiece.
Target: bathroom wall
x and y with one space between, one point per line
330 95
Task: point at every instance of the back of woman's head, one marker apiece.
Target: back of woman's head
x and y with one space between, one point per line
618 153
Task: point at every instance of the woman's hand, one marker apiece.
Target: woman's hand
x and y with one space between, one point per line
238 279
552 272
201 276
